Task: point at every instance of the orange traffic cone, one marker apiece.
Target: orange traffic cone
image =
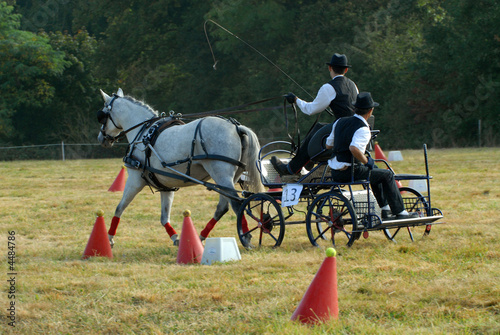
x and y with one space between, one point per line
119 183
190 247
98 244
379 154
320 302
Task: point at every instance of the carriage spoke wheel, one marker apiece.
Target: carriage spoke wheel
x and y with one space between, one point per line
260 222
414 202
331 219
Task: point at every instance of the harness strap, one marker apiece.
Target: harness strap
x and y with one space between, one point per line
220 158
210 186
132 162
149 141
193 144
156 183
207 155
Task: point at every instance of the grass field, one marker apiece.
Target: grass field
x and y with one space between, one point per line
447 283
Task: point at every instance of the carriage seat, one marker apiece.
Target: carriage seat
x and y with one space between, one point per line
317 145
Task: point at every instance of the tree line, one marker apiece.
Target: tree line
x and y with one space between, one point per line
433 65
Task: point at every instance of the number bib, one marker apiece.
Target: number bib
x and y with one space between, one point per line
291 194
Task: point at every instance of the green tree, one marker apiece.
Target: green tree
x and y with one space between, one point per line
153 50
460 72
70 115
27 63
432 64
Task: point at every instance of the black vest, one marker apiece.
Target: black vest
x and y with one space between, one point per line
344 131
346 95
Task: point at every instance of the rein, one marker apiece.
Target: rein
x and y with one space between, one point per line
234 109
229 110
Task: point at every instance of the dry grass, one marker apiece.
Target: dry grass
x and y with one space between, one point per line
447 283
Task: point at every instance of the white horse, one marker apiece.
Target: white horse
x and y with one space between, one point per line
181 156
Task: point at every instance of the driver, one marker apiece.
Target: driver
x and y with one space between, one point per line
349 139
338 94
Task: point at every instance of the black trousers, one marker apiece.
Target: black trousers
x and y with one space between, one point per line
302 155
382 182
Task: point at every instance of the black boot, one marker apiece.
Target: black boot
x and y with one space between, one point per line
279 166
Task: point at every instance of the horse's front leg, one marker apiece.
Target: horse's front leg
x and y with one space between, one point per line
133 186
167 199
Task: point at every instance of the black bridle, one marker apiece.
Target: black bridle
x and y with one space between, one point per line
104 114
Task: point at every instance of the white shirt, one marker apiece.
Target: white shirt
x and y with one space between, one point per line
325 95
360 140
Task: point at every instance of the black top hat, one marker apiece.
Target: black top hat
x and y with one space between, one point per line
338 60
364 100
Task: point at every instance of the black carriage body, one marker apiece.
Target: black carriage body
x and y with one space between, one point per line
337 213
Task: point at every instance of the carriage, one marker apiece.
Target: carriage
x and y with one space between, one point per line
165 154
336 213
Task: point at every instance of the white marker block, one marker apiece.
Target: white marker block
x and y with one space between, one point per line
395 156
220 249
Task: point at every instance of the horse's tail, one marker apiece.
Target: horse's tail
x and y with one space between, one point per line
250 156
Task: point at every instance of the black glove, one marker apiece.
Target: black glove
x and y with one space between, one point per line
290 97
370 164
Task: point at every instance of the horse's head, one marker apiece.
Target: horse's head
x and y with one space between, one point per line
106 116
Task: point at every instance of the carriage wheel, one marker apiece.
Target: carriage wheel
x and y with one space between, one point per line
414 202
331 219
260 222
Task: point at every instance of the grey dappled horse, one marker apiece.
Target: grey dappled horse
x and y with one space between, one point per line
123 115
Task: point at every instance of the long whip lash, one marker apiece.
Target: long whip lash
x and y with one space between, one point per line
250 46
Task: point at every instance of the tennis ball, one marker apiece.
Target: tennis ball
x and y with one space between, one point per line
186 213
330 252
99 212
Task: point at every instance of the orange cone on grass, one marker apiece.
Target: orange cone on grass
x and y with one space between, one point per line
98 244
190 246
379 154
320 302
119 183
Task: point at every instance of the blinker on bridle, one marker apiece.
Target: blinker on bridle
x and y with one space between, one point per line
103 116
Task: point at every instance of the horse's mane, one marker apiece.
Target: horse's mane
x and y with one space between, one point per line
141 104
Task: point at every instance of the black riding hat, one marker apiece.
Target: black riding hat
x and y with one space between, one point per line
338 60
364 100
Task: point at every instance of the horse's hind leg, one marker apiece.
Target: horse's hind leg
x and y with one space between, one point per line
223 175
166 204
222 208
133 186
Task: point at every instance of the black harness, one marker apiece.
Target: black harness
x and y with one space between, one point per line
150 131
149 174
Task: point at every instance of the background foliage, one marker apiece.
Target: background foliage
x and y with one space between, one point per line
432 64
